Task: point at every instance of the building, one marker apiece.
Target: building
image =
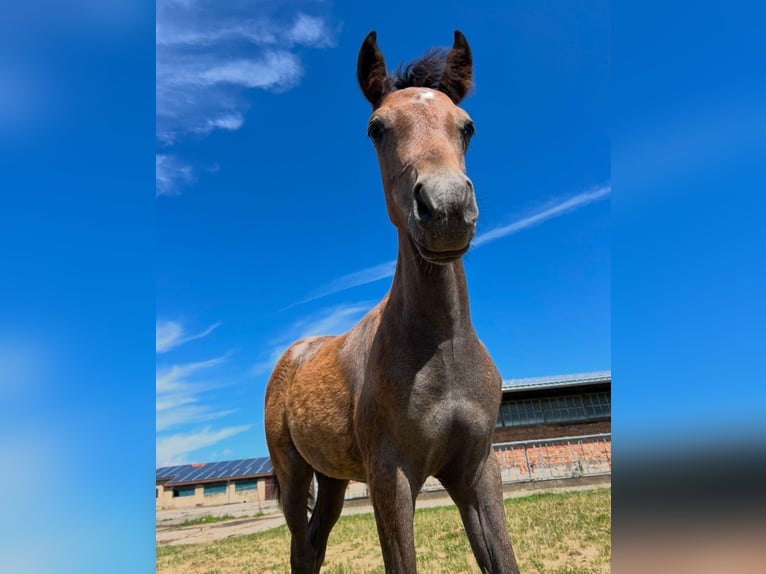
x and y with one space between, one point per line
215 483
555 407
547 428
555 427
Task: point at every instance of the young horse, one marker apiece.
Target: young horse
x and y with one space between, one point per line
410 391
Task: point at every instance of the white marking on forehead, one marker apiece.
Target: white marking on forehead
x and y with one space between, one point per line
426 95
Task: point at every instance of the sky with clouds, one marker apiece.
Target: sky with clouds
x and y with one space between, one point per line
271 223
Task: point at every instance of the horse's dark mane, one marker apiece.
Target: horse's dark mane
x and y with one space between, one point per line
425 72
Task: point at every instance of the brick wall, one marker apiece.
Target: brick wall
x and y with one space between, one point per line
533 432
542 461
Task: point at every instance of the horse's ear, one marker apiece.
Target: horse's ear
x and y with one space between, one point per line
457 78
371 71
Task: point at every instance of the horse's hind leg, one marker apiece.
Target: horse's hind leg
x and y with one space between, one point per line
326 512
294 477
479 497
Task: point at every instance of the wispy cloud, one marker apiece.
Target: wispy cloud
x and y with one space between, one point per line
209 55
554 209
179 390
184 400
367 275
311 31
186 396
182 414
171 334
176 448
171 173
174 378
558 209
330 321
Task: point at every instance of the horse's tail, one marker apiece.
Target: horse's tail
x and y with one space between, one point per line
277 490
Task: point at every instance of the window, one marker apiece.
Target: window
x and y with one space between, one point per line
246 485
563 409
529 412
218 488
518 413
183 491
567 409
505 409
597 404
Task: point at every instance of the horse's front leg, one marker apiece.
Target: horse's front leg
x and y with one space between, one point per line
478 494
393 498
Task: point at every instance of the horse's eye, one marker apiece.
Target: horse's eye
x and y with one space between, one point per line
375 130
468 131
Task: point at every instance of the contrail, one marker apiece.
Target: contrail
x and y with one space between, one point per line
384 270
570 204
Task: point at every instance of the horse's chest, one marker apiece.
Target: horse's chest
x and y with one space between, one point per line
429 401
439 413
450 400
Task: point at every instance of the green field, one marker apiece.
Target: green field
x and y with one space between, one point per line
561 533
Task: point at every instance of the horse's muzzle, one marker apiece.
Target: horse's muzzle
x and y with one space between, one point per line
443 216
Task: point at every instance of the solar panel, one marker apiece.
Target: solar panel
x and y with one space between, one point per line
215 470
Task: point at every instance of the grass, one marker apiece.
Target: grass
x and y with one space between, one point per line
552 533
206 519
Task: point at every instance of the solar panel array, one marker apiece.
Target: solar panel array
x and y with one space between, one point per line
215 470
558 380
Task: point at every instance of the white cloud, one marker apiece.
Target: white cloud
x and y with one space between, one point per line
180 415
175 378
185 398
171 334
197 34
210 54
170 174
310 31
278 69
176 448
231 122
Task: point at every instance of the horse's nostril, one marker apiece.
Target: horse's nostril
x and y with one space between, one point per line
422 211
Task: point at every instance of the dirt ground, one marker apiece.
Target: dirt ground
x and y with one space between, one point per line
253 516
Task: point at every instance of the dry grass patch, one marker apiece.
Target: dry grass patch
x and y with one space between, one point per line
561 533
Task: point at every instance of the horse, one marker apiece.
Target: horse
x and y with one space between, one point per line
410 391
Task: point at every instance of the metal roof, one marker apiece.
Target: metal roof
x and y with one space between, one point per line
557 381
208 471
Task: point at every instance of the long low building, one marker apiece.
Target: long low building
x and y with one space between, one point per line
554 407
215 483
547 427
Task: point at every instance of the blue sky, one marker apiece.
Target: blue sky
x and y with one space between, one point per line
271 223
85 269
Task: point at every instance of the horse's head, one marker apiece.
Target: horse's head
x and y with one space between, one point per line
421 136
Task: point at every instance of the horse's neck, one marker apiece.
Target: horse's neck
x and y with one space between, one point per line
427 292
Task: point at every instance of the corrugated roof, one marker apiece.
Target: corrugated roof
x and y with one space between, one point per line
557 381
202 472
